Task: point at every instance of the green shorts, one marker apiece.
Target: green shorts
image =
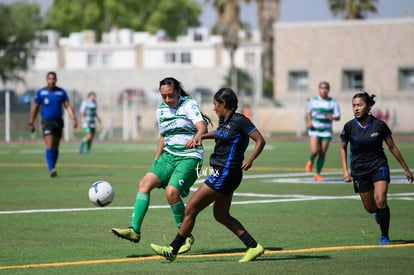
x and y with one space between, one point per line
88 130
178 171
322 139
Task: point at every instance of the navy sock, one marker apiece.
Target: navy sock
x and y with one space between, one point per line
248 240
177 243
384 220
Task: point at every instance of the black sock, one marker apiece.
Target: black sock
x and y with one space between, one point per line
177 243
384 220
248 240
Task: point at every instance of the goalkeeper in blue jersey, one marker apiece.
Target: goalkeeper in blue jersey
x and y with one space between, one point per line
321 111
177 161
51 99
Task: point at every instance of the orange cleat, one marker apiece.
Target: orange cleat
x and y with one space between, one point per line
318 177
308 167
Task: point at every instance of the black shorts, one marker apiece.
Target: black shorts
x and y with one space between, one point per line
366 183
224 180
52 127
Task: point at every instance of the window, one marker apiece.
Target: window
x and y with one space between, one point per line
250 58
170 58
186 58
406 79
353 80
298 81
92 59
106 59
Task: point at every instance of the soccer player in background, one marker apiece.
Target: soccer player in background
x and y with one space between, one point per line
370 172
227 161
89 115
177 162
321 111
51 99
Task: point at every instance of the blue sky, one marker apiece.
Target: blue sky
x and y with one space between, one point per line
293 11
313 10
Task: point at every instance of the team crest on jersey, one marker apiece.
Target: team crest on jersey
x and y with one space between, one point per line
375 134
46 101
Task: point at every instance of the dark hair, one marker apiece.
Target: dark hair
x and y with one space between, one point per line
324 83
369 99
175 83
178 87
228 97
52 73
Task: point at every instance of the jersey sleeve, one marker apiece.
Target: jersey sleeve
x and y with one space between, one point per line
245 125
82 107
38 98
336 110
309 106
344 136
387 130
193 111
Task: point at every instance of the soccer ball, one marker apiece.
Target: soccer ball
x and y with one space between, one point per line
101 193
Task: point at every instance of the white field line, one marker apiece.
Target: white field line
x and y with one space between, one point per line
277 198
270 198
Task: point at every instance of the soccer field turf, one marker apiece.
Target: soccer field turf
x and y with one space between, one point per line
48 226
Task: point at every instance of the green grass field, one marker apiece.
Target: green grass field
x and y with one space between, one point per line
48 226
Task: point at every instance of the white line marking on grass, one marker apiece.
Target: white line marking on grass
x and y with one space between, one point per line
272 198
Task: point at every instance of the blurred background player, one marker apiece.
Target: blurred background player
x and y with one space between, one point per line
321 111
177 163
51 99
370 172
89 114
227 161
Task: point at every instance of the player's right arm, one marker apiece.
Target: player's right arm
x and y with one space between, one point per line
343 152
160 147
33 116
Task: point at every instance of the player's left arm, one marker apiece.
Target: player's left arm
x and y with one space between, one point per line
257 150
71 113
336 115
397 154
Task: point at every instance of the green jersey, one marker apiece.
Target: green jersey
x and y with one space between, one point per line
88 108
319 109
177 126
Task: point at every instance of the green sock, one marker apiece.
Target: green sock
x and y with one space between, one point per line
319 165
89 144
140 209
312 158
178 210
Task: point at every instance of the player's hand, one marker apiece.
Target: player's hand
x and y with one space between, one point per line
32 127
409 176
75 123
347 177
246 164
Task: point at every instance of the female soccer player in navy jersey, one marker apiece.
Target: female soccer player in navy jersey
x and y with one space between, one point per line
369 165
51 98
232 138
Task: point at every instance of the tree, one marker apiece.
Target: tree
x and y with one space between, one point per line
140 15
19 22
353 9
228 25
268 13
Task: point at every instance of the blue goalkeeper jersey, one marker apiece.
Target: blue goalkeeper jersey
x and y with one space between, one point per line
51 102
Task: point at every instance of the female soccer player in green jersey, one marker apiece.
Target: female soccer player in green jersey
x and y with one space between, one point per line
321 111
177 162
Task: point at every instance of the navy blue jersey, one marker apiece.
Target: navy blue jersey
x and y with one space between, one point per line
51 102
232 139
366 150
